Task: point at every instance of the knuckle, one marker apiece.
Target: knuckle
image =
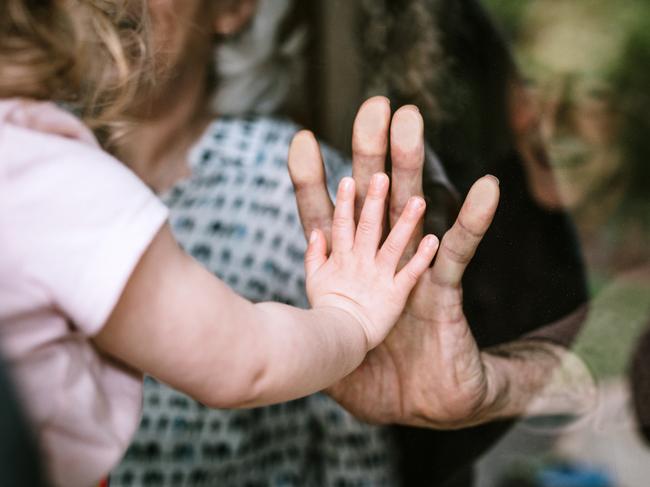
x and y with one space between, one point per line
366 226
469 228
369 149
457 257
340 223
393 247
454 254
300 180
412 274
374 195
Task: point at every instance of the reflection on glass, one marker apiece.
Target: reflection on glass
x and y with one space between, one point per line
584 92
581 116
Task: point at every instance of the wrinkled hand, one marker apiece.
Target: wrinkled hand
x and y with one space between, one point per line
429 370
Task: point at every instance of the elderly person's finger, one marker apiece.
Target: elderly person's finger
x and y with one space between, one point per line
308 176
460 243
369 144
407 154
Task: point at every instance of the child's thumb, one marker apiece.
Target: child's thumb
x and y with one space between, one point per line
316 253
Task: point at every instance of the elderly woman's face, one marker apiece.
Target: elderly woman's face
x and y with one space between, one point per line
566 58
174 25
184 28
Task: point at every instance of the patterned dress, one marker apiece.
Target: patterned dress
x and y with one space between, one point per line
237 215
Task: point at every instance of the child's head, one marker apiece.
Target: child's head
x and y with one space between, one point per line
88 53
96 55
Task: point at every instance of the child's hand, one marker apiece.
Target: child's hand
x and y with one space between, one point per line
359 278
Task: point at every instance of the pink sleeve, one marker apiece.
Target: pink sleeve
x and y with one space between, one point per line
74 219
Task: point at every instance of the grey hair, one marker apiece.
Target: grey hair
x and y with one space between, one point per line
255 69
402 51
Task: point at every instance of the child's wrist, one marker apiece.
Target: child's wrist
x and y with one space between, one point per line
349 317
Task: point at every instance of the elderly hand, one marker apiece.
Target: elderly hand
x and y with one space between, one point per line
429 370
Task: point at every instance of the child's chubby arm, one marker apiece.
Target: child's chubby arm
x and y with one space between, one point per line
178 323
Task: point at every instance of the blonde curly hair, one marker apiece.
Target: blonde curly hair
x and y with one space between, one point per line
87 54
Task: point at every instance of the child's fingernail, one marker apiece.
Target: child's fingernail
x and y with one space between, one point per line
431 241
346 184
416 204
377 179
313 237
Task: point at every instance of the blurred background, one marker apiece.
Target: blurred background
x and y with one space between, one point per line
575 90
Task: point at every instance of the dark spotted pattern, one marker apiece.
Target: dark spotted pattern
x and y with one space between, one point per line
237 215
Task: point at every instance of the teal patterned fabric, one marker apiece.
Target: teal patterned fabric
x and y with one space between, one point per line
237 215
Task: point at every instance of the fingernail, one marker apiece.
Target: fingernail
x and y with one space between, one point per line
346 184
378 179
431 241
416 204
313 237
496 179
413 108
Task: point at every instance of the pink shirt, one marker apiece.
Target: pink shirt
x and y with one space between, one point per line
73 224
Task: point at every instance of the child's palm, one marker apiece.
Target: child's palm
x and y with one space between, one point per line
357 276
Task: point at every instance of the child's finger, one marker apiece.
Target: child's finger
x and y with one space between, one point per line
407 278
343 222
370 228
316 254
399 237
